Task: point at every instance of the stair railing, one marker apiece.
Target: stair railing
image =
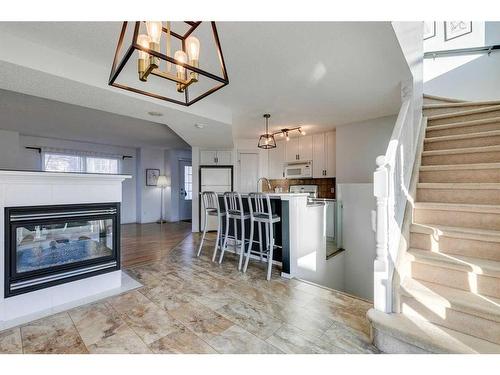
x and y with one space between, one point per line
391 182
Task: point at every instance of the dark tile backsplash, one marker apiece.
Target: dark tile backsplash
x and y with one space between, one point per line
325 185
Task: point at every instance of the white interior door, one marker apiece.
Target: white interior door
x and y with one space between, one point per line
185 189
249 172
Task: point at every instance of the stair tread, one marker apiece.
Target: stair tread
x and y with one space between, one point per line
444 99
468 264
454 167
464 113
459 185
429 336
443 138
463 150
464 123
457 299
459 104
460 232
483 208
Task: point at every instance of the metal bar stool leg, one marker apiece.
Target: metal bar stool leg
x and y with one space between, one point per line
224 245
217 239
204 233
242 244
270 254
250 243
260 240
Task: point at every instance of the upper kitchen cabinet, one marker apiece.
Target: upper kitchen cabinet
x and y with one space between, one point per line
211 157
330 154
224 157
299 149
319 158
277 160
324 155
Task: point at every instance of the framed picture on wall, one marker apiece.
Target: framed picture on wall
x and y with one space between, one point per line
152 177
429 29
456 29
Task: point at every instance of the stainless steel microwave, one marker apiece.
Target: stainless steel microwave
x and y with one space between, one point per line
302 170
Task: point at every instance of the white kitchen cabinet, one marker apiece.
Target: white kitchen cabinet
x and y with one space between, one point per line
292 150
319 158
305 148
324 155
212 157
224 157
299 149
330 141
208 157
277 160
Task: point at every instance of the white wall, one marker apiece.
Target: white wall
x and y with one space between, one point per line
471 77
410 38
358 238
358 145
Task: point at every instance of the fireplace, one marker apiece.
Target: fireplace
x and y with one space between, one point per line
50 245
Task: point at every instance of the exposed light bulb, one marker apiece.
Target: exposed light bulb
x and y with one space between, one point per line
154 29
287 137
182 57
181 71
143 40
193 48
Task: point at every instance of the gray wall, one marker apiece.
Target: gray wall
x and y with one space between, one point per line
357 147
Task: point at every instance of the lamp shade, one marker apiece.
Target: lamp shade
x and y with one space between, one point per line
162 181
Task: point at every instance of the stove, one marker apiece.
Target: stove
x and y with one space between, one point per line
312 190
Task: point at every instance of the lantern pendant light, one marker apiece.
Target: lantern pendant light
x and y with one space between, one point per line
267 141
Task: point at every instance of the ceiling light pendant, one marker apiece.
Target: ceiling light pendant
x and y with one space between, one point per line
148 39
267 141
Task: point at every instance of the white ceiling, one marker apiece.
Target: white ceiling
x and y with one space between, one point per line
31 115
316 74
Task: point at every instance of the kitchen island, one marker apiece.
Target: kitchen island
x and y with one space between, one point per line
300 232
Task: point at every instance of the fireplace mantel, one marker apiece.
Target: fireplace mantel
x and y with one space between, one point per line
34 188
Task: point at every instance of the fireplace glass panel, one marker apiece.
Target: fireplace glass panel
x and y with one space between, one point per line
40 246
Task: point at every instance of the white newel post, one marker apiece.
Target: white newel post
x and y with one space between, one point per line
382 284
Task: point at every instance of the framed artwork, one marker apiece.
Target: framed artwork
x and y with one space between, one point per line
429 29
152 177
455 29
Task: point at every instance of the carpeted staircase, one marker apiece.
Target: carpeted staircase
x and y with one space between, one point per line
450 298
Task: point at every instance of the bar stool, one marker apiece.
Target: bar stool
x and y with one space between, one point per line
233 205
262 214
212 208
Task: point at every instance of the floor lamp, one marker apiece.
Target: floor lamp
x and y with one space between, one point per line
162 183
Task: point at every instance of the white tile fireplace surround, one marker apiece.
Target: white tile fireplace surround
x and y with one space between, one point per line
27 188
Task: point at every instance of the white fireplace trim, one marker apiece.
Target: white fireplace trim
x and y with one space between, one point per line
27 188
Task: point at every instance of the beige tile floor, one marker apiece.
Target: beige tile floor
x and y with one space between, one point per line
191 305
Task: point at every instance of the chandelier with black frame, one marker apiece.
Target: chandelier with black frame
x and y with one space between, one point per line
154 41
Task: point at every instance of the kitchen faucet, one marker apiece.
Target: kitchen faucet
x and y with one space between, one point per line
267 182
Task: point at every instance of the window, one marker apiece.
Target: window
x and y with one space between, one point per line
188 182
60 162
102 165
